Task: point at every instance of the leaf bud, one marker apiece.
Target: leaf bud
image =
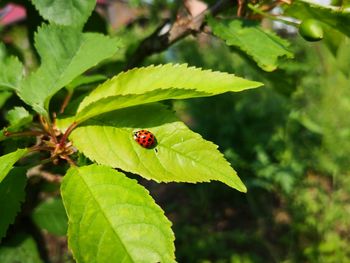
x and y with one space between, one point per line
311 30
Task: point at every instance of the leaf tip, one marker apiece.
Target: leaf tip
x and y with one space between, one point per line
243 189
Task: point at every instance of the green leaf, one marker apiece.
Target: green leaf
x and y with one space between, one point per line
11 196
18 117
111 103
180 155
67 13
263 46
11 73
65 53
333 16
113 219
51 216
21 248
156 83
7 161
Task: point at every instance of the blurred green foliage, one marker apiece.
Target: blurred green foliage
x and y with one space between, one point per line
290 143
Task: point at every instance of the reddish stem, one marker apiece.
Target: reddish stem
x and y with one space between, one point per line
67 133
66 101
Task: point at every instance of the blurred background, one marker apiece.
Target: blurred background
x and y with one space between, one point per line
289 141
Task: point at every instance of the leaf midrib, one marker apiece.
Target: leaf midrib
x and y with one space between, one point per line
196 161
7 85
105 216
171 149
65 69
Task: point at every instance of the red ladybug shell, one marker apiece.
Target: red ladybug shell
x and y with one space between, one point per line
145 138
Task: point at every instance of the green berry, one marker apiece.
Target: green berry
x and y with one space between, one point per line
311 30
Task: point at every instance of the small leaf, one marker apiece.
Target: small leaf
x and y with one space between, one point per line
68 12
333 16
11 196
7 161
263 46
51 216
21 248
156 83
113 219
18 117
65 54
180 155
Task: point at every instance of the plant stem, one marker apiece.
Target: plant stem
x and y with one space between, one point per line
67 133
52 132
46 123
66 101
38 148
23 133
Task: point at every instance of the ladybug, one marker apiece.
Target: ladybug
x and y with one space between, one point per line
145 138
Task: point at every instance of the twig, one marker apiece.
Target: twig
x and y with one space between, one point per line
159 40
240 8
66 100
